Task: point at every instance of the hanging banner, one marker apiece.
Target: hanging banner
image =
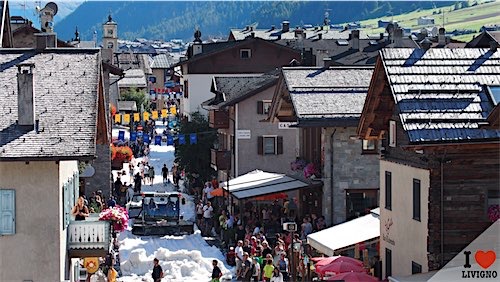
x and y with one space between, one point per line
133 136
192 138
126 118
121 135
137 117
182 139
154 114
117 118
139 134
146 115
164 113
145 138
91 264
170 140
157 140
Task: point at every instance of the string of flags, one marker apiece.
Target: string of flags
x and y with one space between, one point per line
181 138
145 115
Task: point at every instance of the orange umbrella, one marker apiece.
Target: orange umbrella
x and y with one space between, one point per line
219 192
272 197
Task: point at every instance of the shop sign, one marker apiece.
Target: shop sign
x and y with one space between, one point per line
386 233
243 134
286 125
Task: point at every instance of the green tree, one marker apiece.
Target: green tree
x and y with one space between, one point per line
195 158
139 96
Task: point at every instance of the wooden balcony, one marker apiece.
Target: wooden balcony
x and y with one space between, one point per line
89 238
218 119
220 160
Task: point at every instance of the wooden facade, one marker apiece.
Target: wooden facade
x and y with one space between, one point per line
218 119
220 159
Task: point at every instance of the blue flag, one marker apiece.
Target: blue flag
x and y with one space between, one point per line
158 140
182 139
139 134
170 140
192 138
121 135
133 136
145 138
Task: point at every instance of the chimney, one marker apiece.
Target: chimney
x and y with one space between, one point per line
251 28
320 36
355 39
285 26
327 61
493 46
426 44
25 95
45 40
441 37
252 34
398 37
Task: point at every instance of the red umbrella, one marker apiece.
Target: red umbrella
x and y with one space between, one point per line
272 197
339 267
322 261
353 277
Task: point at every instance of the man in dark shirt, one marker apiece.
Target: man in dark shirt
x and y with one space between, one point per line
157 271
216 272
240 233
266 249
164 172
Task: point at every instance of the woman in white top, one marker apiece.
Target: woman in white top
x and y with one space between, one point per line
277 276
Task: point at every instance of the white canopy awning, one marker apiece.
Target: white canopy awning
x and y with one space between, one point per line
258 183
346 234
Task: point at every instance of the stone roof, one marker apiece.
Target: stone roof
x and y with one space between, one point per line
442 94
130 106
65 97
275 34
133 78
161 61
328 93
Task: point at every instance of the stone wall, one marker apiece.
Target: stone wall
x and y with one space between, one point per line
102 177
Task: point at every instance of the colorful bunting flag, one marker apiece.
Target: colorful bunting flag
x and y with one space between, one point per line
117 118
121 135
154 114
137 117
192 138
164 113
173 110
133 136
146 115
170 140
157 140
145 138
126 118
182 139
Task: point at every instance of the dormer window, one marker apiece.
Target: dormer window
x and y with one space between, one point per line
245 53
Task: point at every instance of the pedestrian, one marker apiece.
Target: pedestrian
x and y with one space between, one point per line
239 257
164 172
111 202
284 266
277 276
130 193
268 270
131 172
151 174
208 211
157 271
216 272
256 269
137 182
80 210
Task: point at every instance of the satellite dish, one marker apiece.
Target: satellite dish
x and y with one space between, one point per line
89 171
52 6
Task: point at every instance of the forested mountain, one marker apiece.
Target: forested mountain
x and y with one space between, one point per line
171 19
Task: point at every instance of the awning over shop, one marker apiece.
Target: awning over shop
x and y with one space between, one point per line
346 234
258 183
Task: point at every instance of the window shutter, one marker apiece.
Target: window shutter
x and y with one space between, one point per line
260 145
279 145
7 212
260 107
186 89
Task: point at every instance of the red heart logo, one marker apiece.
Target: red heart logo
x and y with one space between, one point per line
485 259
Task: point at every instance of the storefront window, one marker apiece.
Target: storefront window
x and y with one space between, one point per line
359 202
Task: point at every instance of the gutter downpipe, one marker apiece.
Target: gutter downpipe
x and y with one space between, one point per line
442 209
235 140
332 190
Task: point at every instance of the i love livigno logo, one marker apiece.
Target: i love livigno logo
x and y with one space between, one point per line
479 261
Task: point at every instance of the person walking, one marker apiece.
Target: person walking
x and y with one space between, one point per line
157 271
164 172
268 270
151 174
277 276
208 211
216 272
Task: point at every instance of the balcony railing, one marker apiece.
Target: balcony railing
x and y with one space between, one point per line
218 119
89 238
220 159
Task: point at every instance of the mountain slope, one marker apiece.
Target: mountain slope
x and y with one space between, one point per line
162 20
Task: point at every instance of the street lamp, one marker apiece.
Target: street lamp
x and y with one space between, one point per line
292 227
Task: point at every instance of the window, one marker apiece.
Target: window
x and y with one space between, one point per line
270 145
263 107
392 133
388 263
359 202
415 268
7 212
70 194
110 45
416 199
110 32
245 53
369 146
388 190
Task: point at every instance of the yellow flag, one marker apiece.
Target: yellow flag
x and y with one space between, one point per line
145 115
173 110
164 113
126 118
154 114
137 117
117 118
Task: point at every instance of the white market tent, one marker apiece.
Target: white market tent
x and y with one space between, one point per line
258 183
346 234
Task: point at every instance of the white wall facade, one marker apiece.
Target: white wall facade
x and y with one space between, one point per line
37 250
399 232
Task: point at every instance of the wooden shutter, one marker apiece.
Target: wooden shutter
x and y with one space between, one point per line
7 212
186 89
260 107
279 146
260 145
